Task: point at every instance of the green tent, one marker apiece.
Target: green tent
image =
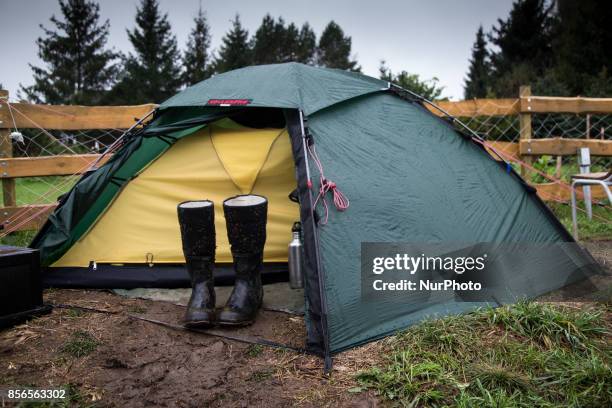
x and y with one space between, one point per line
409 175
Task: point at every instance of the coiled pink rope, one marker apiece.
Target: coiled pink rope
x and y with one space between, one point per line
341 202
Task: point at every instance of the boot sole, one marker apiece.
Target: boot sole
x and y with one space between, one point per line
236 324
199 324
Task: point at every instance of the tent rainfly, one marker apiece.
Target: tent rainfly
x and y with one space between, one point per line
409 174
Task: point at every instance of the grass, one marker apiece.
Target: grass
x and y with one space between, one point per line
261 375
36 190
42 190
18 238
525 355
74 313
80 344
254 350
599 227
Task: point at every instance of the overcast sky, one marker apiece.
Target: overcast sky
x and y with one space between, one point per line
430 38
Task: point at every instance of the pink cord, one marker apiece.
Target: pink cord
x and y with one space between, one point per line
341 202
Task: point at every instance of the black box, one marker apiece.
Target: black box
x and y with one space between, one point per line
20 287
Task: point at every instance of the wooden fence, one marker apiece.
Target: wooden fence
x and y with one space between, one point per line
62 117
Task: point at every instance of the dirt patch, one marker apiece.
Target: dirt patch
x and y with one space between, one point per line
137 364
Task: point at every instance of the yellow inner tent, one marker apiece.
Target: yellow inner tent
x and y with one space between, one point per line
215 163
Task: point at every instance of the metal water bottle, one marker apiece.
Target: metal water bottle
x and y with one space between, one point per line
296 275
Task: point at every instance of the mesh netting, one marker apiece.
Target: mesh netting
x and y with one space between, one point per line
506 128
41 143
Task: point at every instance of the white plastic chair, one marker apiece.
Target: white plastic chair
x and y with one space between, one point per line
602 179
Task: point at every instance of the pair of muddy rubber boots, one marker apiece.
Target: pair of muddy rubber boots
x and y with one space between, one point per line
245 217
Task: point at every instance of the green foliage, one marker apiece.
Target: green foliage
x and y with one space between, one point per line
74 313
560 47
79 69
261 375
151 73
268 41
19 238
334 50
526 355
80 344
307 43
477 81
583 46
254 350
426 88
235 51
599 227
275 42
42 190
197 59
524 46
548 325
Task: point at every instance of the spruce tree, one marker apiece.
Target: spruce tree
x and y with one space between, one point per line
267 41
307 44
151 73
196 60
583 46
524 43
290 43
235 51
79 69
477 81
334 50
275 42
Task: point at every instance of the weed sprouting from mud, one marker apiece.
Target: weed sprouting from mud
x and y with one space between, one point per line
80 344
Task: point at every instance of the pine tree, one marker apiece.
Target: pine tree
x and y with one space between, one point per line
477 81
275 42
334 50
583 46
267 41
152 73
235 51
307 44
290 43
196 60
79 69
524 42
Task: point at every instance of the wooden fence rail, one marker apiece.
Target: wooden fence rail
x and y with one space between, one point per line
67 117
64 117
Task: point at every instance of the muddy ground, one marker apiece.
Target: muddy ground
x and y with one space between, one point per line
140 364
112 359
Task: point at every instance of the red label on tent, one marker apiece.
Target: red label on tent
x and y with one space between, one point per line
229 102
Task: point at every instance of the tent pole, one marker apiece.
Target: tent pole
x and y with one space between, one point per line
305 148
328 363
116 142
444 112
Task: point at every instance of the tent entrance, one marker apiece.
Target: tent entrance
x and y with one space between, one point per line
219 161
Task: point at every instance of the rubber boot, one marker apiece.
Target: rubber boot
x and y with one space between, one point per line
246 217
197 222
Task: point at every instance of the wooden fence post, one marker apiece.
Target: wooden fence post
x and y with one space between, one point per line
525 128
6 151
